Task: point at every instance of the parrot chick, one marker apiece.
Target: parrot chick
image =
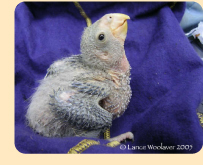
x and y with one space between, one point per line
82 94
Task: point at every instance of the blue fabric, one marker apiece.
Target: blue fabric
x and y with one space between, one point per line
162 110
192 16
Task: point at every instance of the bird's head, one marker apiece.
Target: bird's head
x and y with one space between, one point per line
102 44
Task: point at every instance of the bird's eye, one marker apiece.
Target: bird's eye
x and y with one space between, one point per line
101 37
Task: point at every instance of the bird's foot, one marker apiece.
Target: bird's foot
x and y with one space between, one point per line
123 137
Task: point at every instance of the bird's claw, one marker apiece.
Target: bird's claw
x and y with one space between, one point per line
128 136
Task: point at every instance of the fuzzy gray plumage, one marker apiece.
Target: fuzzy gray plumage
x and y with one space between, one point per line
82 94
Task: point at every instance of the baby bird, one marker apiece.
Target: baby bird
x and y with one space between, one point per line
82 94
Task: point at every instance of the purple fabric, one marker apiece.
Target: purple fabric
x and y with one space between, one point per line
167 82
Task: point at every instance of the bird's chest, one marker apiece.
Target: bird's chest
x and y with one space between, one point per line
117 102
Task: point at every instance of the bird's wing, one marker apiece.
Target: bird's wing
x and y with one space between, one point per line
92 88
80 107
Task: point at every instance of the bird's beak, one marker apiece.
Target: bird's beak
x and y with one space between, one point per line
118 25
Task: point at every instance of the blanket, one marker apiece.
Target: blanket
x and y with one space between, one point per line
166 75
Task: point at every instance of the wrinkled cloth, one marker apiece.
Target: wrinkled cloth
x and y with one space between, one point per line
166 75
